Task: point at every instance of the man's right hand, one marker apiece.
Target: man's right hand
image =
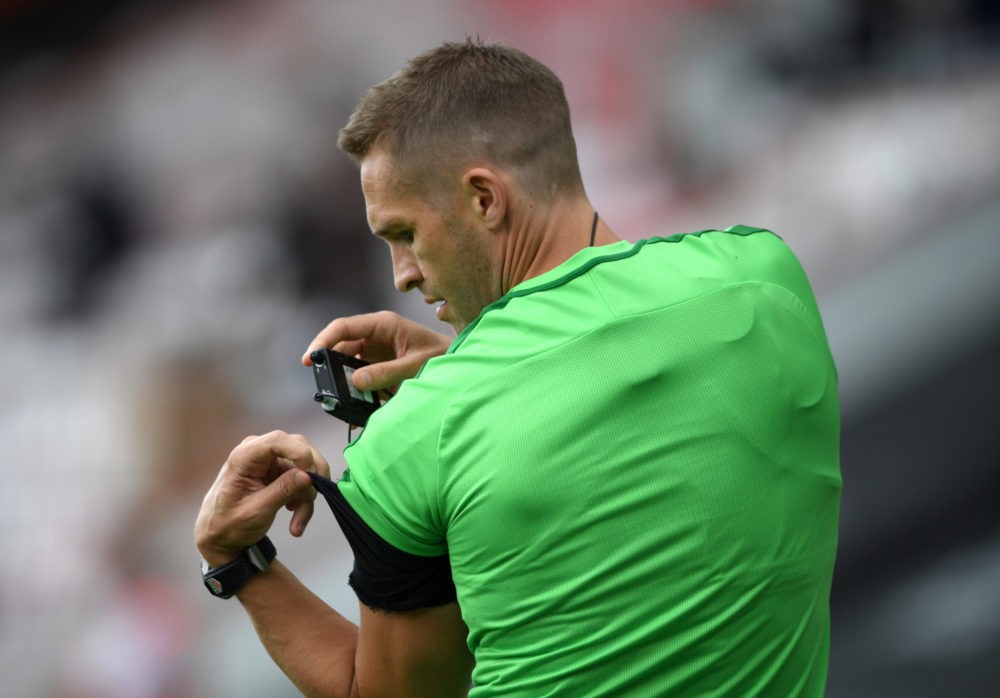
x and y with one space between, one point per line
395 346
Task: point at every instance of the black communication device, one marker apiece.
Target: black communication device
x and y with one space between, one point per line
336 392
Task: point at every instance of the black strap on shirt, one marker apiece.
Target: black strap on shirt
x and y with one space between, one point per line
385 577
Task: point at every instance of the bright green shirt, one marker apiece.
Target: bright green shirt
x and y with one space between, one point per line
632 461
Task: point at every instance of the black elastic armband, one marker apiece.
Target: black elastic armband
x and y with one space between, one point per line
385 577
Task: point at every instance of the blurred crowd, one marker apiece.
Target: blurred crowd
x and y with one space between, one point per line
176 224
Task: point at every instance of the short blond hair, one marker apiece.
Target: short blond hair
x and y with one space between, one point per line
470 100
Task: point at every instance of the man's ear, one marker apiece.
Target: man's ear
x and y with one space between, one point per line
486 193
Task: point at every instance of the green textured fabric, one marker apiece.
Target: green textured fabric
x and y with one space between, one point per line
633 463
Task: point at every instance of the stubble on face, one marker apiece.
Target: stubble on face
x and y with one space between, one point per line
470 281
456 256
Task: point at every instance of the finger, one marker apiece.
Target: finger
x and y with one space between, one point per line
292 484
351 347
301 505
320 464
375 376
301 497
300 518
316 463
259 456
354 327
388 374
385 374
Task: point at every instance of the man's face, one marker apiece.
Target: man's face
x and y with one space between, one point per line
445 254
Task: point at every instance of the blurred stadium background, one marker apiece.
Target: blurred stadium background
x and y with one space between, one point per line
176 224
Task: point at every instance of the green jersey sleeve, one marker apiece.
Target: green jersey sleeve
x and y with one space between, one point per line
391 479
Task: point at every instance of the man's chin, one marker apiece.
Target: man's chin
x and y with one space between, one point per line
445 314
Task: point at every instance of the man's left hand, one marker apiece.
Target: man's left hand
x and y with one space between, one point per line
261 475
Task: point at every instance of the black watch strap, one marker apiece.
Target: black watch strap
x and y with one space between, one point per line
227 580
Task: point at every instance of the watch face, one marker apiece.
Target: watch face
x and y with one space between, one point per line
214 585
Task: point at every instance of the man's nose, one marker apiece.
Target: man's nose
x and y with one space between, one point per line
406 273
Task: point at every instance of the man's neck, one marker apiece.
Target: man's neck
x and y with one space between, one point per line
542 241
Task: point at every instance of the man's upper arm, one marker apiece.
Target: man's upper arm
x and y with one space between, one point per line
413 653
412 640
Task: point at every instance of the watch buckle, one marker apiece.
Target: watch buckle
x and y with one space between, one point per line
257 557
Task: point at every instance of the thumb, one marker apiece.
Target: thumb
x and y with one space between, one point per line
370 377
282 490
385 374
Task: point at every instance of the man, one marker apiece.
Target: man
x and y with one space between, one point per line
621 477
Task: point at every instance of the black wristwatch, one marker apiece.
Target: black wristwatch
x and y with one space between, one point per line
227 580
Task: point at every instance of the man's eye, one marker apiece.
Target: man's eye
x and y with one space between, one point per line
405 236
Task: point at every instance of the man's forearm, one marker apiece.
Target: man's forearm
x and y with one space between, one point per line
313 644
